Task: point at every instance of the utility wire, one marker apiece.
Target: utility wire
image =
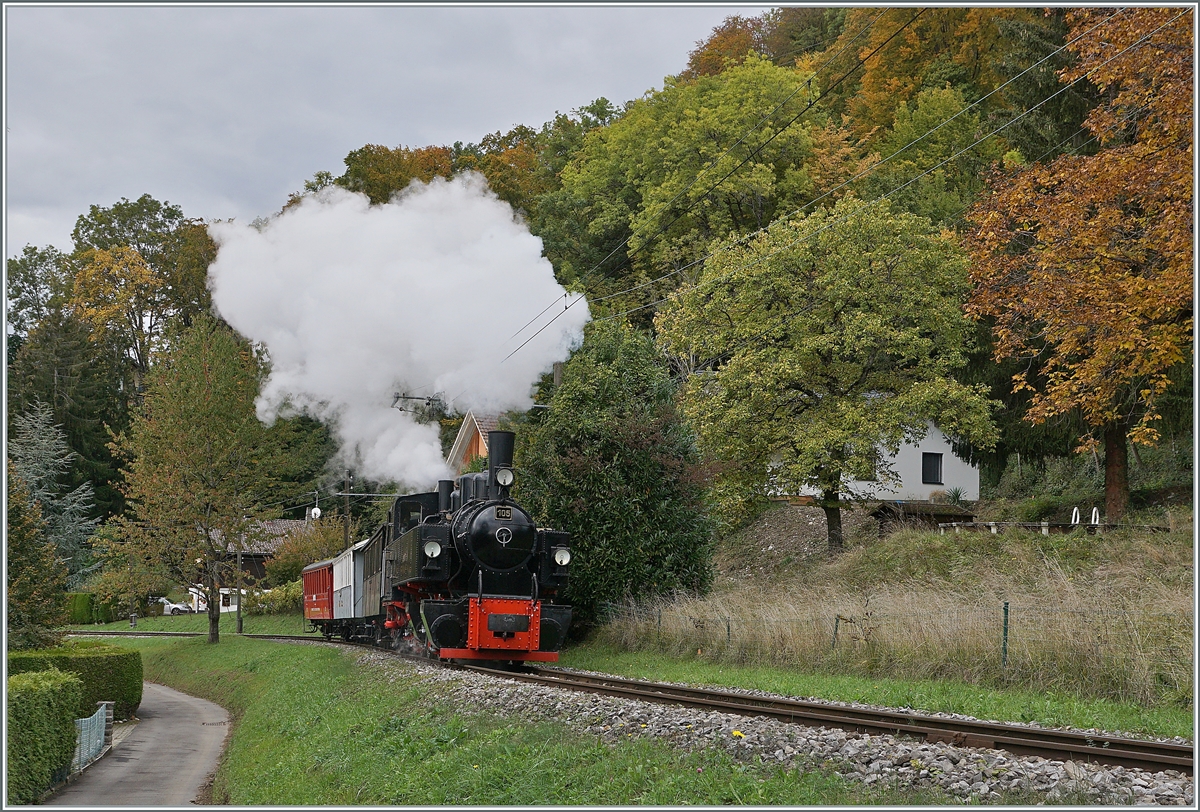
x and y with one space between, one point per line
758 149
908 183
724 354
745 238
704 169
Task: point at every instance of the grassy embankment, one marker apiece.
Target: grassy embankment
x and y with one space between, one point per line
313 727
1090 617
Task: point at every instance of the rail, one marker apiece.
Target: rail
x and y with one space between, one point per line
1017 739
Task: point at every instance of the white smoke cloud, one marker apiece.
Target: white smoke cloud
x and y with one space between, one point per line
421 295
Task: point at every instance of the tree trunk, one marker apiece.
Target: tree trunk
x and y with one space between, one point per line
1116 473
833 520
214 605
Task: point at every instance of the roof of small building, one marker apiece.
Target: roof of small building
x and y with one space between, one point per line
472 424
271 535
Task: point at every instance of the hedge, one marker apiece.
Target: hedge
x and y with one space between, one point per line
108 672
84 607
41 713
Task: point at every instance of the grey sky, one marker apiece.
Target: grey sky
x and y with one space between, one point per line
225 110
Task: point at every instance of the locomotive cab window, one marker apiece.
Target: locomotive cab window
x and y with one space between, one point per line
931 469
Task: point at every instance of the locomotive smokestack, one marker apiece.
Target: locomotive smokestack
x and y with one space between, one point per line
445 489
500 454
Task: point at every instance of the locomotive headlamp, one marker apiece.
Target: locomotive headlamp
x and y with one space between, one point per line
432 549
504 476
562 556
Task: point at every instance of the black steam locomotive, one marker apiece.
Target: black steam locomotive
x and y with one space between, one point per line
455 574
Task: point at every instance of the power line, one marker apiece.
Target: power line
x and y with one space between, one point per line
725 177
745 135
745 238
899 188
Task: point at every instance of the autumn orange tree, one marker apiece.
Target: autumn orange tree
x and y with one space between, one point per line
1084 265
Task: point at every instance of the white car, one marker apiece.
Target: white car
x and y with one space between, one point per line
169 608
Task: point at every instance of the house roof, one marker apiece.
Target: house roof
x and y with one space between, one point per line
472 425
265 543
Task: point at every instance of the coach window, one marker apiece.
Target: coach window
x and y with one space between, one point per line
931 469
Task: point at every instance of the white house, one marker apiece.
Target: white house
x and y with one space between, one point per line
924 468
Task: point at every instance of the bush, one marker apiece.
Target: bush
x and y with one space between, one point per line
79 607
107 672
612 462
282 600
42 708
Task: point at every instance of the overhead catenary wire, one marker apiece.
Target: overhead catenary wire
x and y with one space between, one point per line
678 377
874 167
891 192
758 149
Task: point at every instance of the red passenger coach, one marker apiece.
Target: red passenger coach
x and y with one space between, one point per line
318 590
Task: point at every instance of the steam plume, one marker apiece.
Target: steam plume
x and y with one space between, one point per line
355 302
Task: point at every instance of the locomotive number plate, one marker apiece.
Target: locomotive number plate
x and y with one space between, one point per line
504 513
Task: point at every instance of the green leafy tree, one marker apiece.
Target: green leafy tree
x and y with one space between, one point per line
202 470
39 284
933 174
54 360
379 172
316 541
138 266
823 343
42 459
651 172
36 579
611 462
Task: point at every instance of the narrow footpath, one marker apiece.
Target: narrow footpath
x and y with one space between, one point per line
163 760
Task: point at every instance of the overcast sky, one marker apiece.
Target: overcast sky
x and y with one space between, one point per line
225 110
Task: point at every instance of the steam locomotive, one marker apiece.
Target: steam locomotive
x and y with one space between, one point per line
454 574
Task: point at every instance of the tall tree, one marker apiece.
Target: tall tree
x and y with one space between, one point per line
42 459
59 363
379 172
931 165
822 345
1086 263
727 46
138 265
39 284
907 50
695 162
201 468
36 579
611 462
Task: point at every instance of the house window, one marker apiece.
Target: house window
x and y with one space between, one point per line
931 469
225 599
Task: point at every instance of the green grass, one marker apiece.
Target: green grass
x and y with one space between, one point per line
251 624
313 728
922 695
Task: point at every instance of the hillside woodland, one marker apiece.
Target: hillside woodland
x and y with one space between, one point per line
830 228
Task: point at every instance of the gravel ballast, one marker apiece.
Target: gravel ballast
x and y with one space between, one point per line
962 772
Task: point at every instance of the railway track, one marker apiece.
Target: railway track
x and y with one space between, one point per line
1058 745
1051 744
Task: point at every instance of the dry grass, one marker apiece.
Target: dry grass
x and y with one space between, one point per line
1107 617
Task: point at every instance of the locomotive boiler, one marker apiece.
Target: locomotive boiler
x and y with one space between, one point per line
457 573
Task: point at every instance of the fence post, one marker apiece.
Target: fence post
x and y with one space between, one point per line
660 621
108 721
1004 641
727 633
836 622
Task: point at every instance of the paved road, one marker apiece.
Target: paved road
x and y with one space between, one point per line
164 761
